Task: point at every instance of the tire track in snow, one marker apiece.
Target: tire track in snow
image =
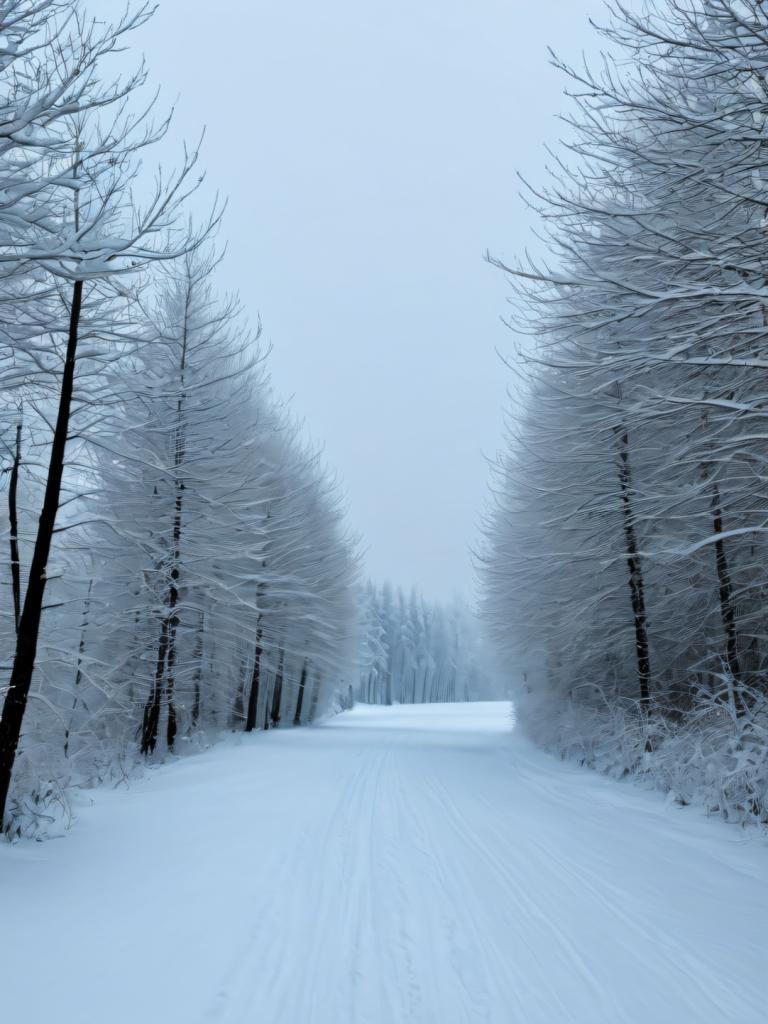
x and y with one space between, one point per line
701 989
394 866
288 947
522 915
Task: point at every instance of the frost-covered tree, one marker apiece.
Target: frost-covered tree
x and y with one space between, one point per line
70 155
176 559
628 521
417 652
231 594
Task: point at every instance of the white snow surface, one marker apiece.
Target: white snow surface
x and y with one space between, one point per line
408 864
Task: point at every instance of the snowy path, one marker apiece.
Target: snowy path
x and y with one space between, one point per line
394 865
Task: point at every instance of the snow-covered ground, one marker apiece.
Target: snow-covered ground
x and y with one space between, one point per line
412 864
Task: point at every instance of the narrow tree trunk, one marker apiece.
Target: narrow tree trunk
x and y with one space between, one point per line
266 709
13 519
300 695
277 691
17 695
634 567
171 725
173 591
79 669
212 709
253 696
151 720
197 655
166 658
725 593
237 711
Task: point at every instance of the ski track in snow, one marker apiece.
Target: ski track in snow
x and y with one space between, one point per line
406 865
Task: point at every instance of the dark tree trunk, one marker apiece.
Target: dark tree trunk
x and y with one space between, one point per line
300 695
16 697
151 721
13 520
166 657
171 723
79 667
277 691
266 710
197 654
253 696
237 712
173 590
634 567
725 593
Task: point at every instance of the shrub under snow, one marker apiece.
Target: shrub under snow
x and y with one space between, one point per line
711 756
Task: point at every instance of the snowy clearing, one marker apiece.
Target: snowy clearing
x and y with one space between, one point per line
416 863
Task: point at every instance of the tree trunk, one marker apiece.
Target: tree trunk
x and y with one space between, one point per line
17 695
166 658
253 696
13 520
634 567
725 593
237 711
151 721
171 723
266 709
173 590
277 691
300 695
197 655
78 670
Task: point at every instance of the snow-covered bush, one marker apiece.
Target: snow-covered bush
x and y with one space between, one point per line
713 756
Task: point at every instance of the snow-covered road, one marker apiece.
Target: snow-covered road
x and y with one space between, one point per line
412 864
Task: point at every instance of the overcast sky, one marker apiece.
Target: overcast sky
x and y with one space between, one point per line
368 150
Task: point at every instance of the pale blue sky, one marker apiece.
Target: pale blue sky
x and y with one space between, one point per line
368 149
